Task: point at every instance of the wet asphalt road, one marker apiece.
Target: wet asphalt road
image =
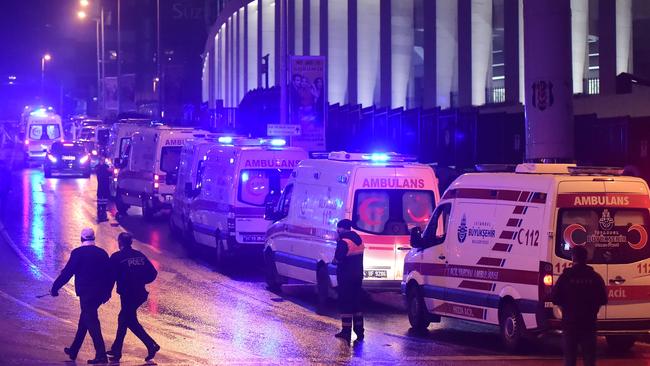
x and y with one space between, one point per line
203 317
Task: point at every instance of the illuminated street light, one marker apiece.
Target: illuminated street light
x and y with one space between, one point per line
47 57
81 14
84 3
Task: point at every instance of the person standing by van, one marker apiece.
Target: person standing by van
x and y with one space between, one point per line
132 270
349 275
5 187
579 292
103 174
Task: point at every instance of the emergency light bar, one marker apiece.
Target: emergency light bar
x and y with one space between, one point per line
370 157
595 170
495 168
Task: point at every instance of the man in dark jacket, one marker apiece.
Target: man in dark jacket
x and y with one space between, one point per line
132 271
349 275
89 266
579 292
103 174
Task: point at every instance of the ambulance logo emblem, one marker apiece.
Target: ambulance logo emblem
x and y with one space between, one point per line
606 221
462 229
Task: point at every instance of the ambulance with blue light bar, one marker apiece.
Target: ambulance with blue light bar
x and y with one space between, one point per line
498 241
234 185
119 145
43 127
148 177
193 157
385 195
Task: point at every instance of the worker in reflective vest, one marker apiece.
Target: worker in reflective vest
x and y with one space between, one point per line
349 274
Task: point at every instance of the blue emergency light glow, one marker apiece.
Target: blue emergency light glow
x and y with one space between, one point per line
39 113
244 177
225 140
379 157
278 142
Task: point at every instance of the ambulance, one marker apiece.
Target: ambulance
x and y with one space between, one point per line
384 194
148 178
119 146
193 157
43 127
497 242
235 183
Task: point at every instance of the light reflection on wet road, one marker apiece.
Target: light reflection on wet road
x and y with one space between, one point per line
197 315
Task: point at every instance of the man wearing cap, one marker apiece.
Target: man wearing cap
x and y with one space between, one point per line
90 267
132 270
349 274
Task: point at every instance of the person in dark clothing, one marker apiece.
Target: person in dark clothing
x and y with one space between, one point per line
90 267
579 292
103 174
349 275
5 187
132 271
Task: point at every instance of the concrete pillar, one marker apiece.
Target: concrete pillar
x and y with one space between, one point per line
464 52
446 41
549 97
306 26
291 27
623 36
402 40
579 31
522 82
260 42
268 37
315 29
337 50
607 46
222 64
211 83
298 27
481 48
323 33
252 56
385 52
368 52
245 50
511 49
352 51
430 53
276 42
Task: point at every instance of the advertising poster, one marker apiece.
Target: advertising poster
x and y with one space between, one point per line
110 93
127 93
308 101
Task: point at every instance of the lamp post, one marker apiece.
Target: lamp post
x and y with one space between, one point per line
99 23
46 58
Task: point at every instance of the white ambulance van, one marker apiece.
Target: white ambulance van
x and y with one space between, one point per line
43 128
119 145
149 177
193 158
227 213
497 242
385 195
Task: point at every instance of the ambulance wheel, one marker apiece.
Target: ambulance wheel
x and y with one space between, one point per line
417 310
147 209
621 343
188 240
271 275
121 207
47 173
323 284
220 253
512 327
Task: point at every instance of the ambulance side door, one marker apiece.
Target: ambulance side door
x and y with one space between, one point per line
434 256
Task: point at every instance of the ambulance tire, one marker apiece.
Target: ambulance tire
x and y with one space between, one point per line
273 281
220 254
188 240
47 173
147 209
121 207
417 310
620 343
512 327
323 285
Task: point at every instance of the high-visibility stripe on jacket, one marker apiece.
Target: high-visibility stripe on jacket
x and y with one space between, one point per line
353 248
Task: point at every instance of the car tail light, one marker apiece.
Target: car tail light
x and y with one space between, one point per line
26 142
52 158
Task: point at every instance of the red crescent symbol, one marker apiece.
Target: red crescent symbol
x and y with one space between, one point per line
568 234
363 211
414 218
643 237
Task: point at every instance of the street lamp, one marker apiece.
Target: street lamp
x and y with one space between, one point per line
84 3
81 14
99 23
46 58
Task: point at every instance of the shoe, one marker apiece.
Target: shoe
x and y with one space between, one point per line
115 356
70 353
96 361
152 352
344 336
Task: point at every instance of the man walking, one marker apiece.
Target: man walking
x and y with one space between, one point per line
349 275
90 268
132 271
103 174
579 292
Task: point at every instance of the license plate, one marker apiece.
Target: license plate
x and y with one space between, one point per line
375 273
253 238
68 157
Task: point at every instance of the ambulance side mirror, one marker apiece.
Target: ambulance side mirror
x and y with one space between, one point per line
416 238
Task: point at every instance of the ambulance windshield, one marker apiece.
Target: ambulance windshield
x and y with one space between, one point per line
44 132
255 184
610 235
170 158
391 211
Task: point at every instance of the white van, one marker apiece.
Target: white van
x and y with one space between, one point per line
385 195
149 177
119 145
227 212
193 157
43 128
497 242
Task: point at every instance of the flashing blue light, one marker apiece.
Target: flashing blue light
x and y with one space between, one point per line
379 157
244 177
41 112
225 140
278 142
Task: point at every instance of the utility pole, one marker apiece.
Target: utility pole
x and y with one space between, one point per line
159 76
119 55
283 61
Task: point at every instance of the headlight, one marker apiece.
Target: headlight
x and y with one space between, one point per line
83 160
94 152
51 158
